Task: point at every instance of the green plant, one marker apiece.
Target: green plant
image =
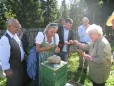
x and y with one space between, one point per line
73 75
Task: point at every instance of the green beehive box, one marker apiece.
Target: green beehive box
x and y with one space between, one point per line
60 82
53 76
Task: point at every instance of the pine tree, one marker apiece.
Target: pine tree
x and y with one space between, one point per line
28 12
49 8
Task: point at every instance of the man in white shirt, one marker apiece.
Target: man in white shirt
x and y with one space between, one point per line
83 38
12 54
66 37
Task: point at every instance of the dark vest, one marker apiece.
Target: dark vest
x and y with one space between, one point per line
15 54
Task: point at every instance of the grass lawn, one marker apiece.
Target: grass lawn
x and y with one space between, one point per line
78 77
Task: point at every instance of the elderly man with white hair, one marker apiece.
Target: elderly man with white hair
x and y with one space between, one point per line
99 57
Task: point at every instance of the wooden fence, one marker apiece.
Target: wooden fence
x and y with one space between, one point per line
31 33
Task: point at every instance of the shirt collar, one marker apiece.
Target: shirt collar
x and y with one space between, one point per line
10 34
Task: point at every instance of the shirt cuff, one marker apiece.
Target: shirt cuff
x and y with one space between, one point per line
6 67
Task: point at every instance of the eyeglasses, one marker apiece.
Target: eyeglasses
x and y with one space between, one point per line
53 24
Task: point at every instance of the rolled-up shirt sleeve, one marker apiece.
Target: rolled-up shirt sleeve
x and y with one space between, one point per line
5 53
39 38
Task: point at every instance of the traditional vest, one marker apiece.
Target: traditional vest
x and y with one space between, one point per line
15 54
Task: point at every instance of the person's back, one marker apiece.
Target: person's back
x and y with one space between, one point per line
25 43
24 39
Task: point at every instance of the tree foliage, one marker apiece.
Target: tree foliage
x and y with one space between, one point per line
2 15
63 10
77 12
98 13
30 13
99 10
49 8
38 13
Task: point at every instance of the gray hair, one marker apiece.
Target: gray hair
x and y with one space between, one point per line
85 18
10 21
95 29
51 25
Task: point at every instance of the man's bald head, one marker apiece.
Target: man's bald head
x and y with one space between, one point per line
13 25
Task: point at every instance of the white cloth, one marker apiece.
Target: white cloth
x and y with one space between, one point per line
40 37
5 50
66 32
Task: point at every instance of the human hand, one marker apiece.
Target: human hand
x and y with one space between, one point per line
48 46
57 49
71 41
76 42
9 72
67 43
80 52
88 57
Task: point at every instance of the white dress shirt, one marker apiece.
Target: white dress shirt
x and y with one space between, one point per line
84 36
5 50
66 32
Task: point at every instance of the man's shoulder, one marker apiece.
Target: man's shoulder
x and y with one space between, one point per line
60 27
4 39
81 27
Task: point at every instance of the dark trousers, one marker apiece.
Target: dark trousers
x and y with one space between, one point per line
26 80
83 63
97 84
37 78
16 79
20 76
